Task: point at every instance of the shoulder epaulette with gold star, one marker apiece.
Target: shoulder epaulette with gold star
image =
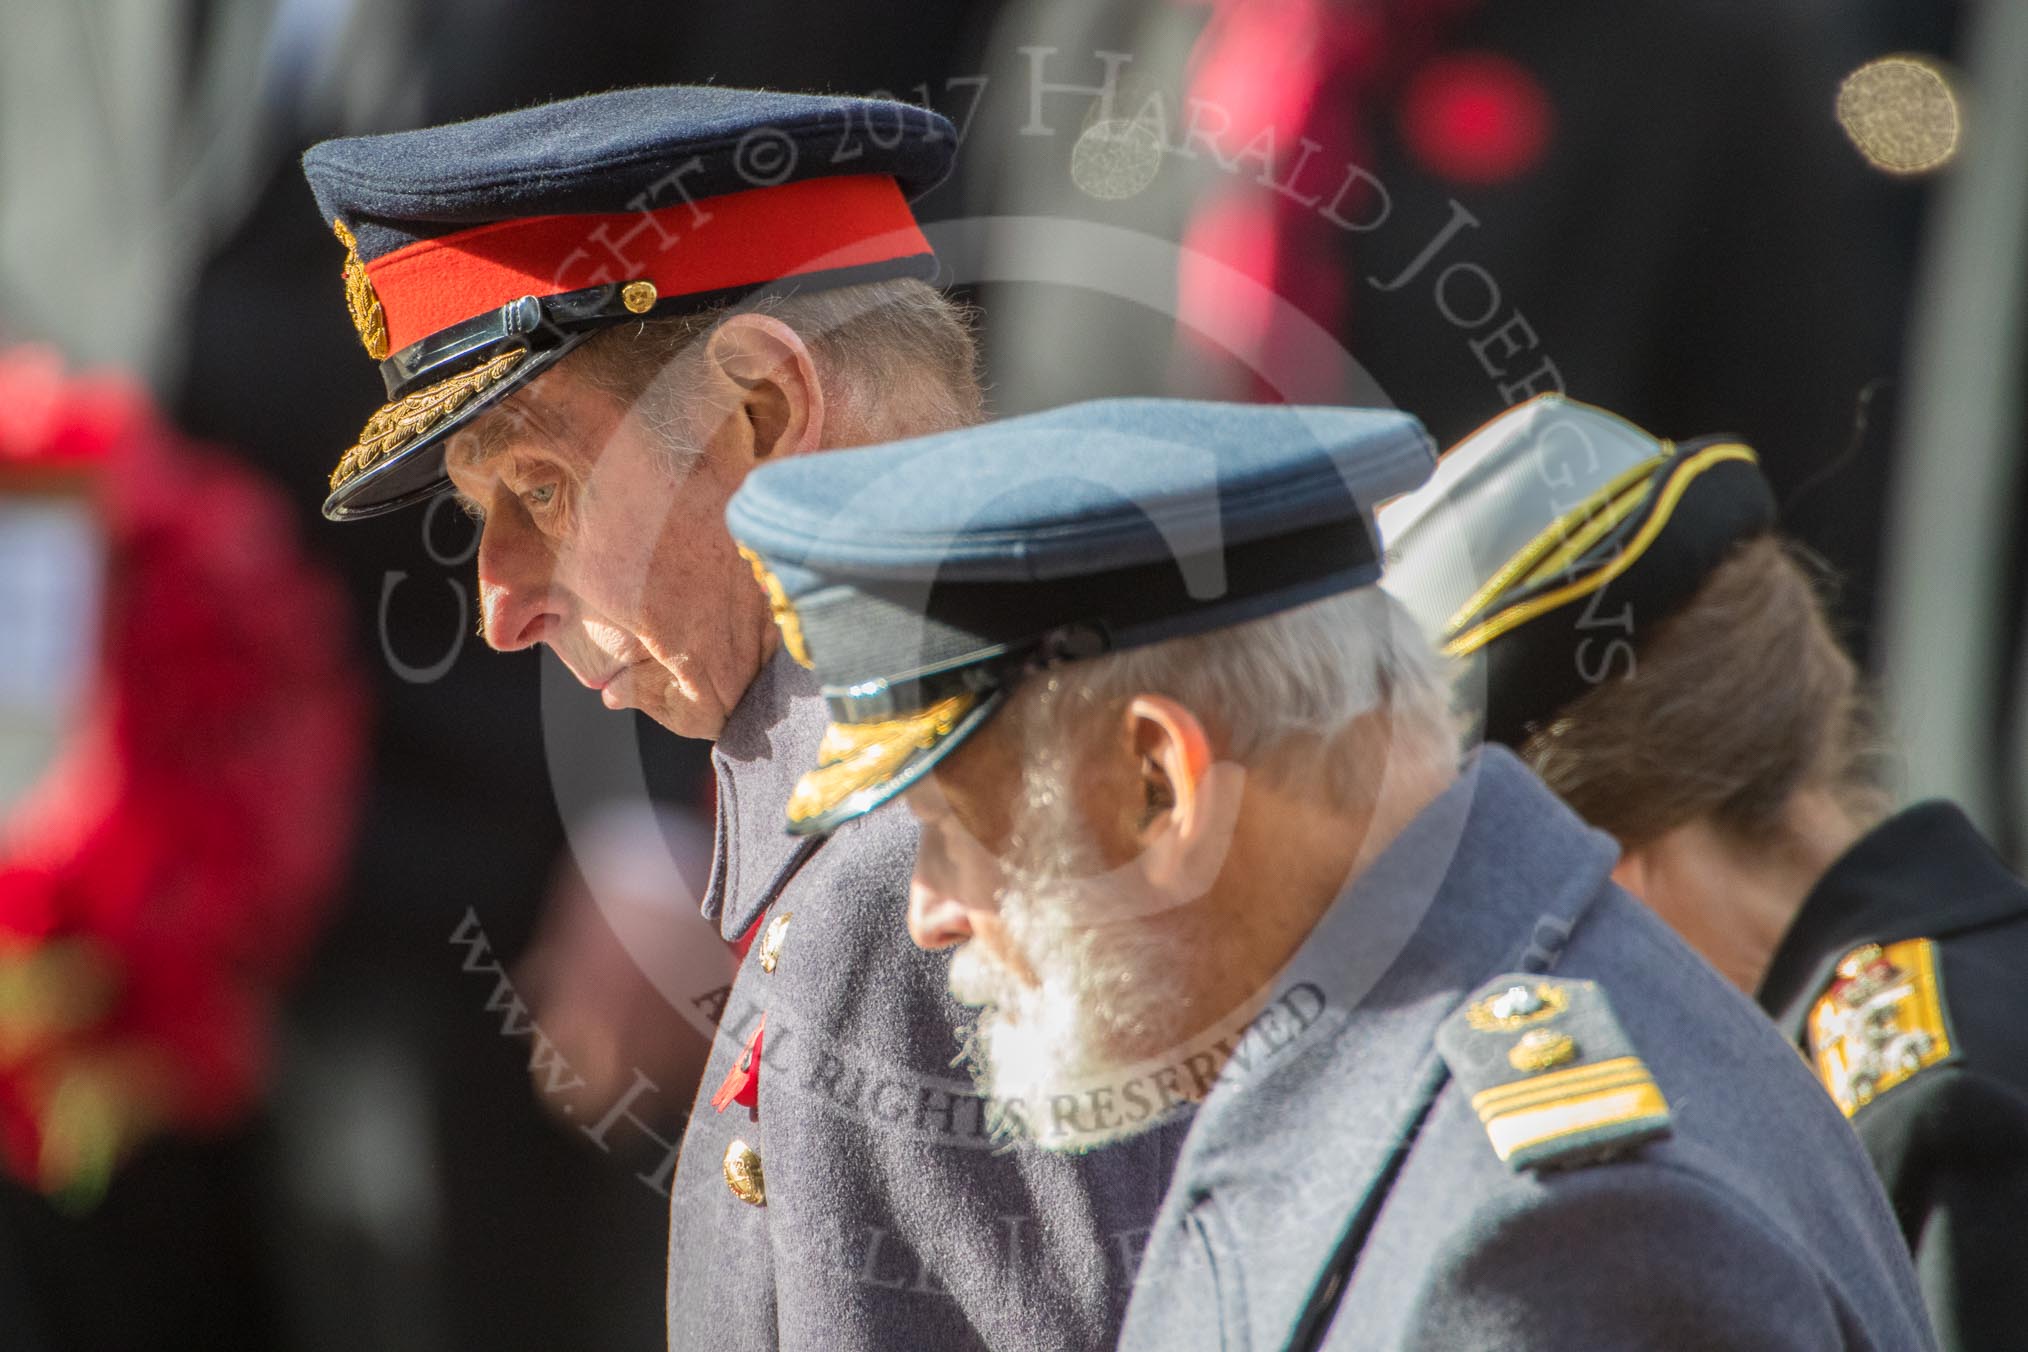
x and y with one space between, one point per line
1880 1022
1550 1074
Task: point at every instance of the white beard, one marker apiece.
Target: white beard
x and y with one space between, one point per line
1110 993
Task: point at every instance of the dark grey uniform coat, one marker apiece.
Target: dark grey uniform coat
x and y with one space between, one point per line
1757 1224
889 1221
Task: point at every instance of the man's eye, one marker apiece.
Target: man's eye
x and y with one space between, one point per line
541 495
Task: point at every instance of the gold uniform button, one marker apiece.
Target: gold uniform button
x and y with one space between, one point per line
743 1174
771 941
1541 1049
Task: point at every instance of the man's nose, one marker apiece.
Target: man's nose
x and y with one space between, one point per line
518 600
936 919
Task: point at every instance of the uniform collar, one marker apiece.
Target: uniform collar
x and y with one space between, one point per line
1492 876
1925 872
769 739
1493 863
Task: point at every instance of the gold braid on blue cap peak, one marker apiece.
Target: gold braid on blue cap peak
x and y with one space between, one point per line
854 757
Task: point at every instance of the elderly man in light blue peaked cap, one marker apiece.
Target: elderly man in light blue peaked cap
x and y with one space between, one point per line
1193 820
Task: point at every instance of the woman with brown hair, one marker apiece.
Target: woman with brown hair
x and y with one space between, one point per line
1664 661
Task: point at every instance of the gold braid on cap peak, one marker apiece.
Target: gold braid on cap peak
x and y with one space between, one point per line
398 423
855 756
1615 504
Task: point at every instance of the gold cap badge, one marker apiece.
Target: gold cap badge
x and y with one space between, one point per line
638 297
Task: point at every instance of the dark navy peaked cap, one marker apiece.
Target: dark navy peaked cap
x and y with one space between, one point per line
923 579
479 254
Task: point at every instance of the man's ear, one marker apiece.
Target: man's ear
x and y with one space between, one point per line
1188 804
773 400
1631 872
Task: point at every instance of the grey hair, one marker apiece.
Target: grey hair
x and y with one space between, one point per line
1303 673
898 358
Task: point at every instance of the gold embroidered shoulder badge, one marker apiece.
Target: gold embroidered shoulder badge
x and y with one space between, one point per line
1880 1022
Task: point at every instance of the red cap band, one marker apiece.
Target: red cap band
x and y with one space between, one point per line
691 248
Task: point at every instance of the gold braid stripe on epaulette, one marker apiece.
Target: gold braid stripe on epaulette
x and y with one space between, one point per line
1531 1113
855 756
402 421
1479 635
1538 1090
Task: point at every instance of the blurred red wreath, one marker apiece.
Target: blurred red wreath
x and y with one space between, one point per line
158 883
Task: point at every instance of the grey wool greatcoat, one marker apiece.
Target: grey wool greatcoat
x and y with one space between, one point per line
1347 1136
889 1221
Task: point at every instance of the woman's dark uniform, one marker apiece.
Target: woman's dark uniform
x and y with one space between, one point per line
1905 980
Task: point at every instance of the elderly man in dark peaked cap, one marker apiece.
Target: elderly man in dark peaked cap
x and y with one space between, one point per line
593 318
1194 820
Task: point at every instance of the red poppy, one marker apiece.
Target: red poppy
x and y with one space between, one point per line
159 883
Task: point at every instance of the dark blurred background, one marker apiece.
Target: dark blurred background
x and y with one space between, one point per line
1658 201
